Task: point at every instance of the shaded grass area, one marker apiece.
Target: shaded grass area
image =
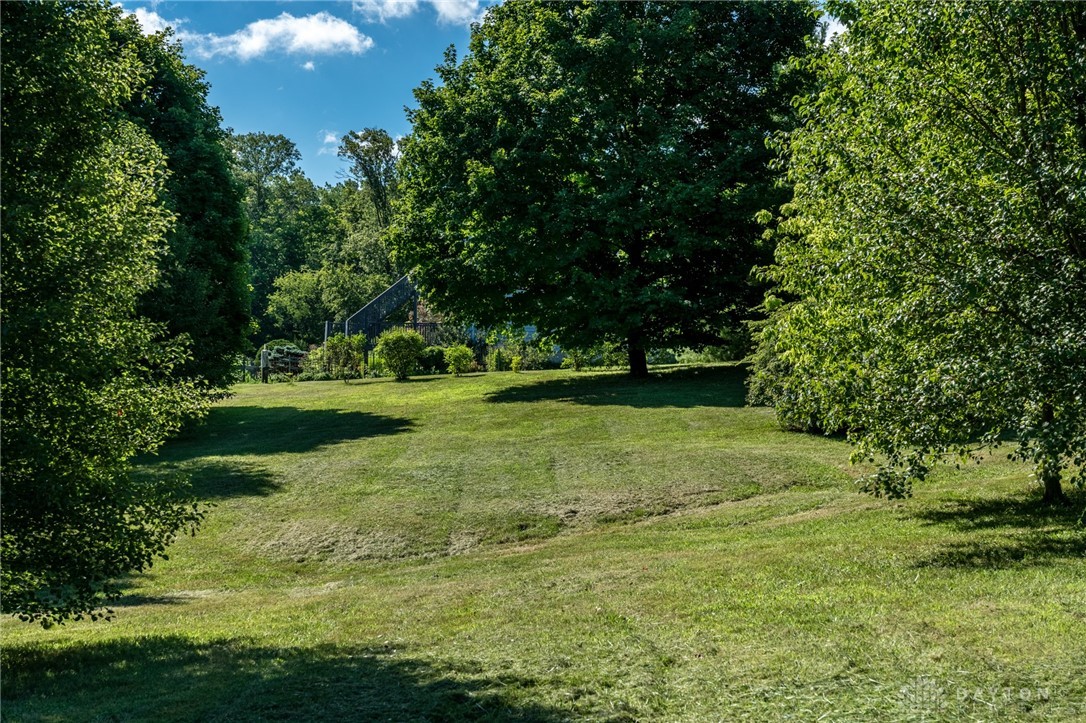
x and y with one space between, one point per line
551 546
1007 531
248 430
237 680
720 386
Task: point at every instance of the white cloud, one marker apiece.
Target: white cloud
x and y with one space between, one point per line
151 22
450 12
309 65
382 10
318 34
329 143
457 12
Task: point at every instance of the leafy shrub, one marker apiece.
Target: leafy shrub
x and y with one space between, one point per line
316 376
534 353
317 360
459 359
611 356
343 356
662 356
531 357
574 359
497 360
377 367
452 334
400 350
708 355
516 364
433 360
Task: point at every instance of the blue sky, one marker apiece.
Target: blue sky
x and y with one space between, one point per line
313 71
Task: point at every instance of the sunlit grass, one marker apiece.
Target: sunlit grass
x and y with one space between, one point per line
547 546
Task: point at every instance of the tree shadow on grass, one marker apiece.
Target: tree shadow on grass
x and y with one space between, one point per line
135 600
1007 532
231 431
171 678
723 386
210 481
215 480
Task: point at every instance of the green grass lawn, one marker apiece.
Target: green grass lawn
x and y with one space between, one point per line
551 546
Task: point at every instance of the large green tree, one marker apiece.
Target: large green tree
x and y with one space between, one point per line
202 288
355 263
87 383
260 158
596 168
316 253
372 155
297 306
933 260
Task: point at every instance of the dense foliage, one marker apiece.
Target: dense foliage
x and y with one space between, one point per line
87 383
459 359
934 258
343 356
318 253
432 360
282 208
372 155
400 350
202 289
596 168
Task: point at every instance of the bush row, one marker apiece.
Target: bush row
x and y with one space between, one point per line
402 353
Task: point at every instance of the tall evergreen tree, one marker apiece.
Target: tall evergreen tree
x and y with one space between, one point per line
202 288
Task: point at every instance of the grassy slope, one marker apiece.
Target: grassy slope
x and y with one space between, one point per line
546 546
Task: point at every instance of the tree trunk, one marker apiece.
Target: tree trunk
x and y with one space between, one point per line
639 365
1049 468
1049 473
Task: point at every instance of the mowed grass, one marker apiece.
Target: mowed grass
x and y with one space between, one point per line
551 546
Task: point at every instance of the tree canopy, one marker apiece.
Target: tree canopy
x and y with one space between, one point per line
596 168
372 155
317 253
260 158
932 266
282 207
87 383
202 287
